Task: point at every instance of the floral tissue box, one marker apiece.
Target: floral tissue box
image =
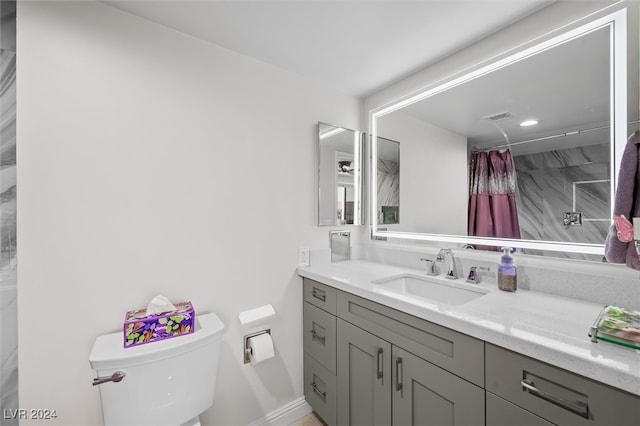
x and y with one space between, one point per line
140 328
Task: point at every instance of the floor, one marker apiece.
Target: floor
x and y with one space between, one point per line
309 420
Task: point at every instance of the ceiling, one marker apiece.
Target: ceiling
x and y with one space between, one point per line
356 47
545 87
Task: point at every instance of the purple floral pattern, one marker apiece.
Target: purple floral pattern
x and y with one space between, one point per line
140 328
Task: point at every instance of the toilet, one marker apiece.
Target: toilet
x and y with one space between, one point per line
170 382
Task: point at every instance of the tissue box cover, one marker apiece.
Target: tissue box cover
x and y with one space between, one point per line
140 328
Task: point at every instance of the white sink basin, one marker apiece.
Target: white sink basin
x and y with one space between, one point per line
422 287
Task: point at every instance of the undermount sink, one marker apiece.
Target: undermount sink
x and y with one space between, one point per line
411 286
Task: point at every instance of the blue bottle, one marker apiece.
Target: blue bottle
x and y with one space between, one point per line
507 272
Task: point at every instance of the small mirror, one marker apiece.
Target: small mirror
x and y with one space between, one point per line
339 175
388 181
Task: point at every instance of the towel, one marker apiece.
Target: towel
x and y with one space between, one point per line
627 203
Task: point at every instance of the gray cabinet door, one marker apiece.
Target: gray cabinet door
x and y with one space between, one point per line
424 394
364 377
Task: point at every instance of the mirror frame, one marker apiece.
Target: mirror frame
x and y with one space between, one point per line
358 181
616 21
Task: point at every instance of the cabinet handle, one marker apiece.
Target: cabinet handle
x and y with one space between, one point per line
319 294
322 395
315 336
380 363
398 374
577 407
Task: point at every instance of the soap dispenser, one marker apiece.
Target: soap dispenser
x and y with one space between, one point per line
507 272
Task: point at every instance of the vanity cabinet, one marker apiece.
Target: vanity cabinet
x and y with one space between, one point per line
550 393
368 364
390 368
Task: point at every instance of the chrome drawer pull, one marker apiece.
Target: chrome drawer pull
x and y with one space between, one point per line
315 336
319 294
398 374
577 407
380 363
322 395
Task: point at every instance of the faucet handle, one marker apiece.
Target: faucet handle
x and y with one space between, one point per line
473 277
431 266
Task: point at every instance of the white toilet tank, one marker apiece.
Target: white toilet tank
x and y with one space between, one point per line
170 382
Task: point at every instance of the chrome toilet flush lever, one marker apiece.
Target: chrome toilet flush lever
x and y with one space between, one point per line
115 377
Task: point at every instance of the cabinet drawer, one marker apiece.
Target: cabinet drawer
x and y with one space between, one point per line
555 394
455 352
320 295
320 389
319 338
504 413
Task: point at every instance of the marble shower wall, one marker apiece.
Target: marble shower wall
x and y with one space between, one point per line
546 184
388 183
8 260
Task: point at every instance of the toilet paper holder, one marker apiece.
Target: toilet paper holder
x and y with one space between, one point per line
246 348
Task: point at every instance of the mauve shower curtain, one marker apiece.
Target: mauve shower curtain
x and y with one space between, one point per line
492 203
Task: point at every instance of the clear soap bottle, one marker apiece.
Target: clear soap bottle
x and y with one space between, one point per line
507 272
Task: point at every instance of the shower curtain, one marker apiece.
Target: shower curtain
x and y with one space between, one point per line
492 204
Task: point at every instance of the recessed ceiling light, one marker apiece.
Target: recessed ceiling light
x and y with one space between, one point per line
528 123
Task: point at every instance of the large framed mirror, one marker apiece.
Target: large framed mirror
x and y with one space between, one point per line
340 188
558 175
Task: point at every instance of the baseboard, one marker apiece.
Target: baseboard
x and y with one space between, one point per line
285 415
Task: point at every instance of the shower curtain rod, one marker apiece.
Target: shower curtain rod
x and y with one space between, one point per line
576 132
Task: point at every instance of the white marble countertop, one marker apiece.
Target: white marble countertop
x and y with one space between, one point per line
550 328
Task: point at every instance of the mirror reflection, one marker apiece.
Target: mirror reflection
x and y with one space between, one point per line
388 181
339 175
523 152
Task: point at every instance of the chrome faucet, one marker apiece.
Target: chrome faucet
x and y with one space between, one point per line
432 269
451 269
474 276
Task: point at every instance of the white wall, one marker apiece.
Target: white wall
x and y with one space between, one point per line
432 168
153 163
